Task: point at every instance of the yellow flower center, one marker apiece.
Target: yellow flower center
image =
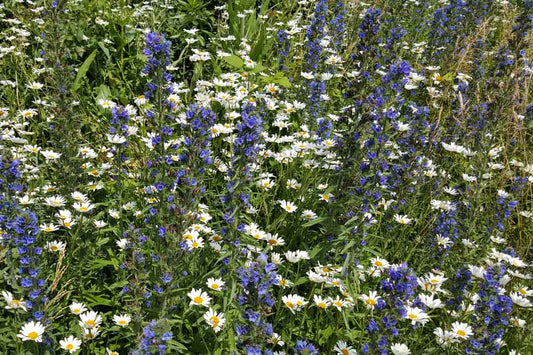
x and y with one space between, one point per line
378 263
69 346
370 302
461 332
54 248
90 323
272 241
122 322
83 208
522 291
33 335
194 244
198 299
27 114
289 304
214 286
434 281
215 320
345 352
338 303
322 305
76 311
413 316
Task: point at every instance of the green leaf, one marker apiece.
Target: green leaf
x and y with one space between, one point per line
234 61
313 222
103 92
257 51
282 80
104 49
315 251
175 345
448 77
83 70
258 68
94 300
300 281
101 263
102 241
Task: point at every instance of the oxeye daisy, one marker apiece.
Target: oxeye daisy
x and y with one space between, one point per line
140 100
195 243
55 201
111 352
321 302
430 301
48 227
28 113
71 344
274 240
461 330
400 349
122 320
519 300
55 246
275 339
342 348
106 103
215 284
294 302
199 298
35 85
50 155
90 333
309 215
13 303
77 308
99 224
402 219
379 263
288 206
32 331
90 320
517 322
370 300
284 283
525 291
83 207
215 320
338 303
445 337
416 315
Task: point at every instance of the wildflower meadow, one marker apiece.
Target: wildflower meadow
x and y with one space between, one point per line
266 177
